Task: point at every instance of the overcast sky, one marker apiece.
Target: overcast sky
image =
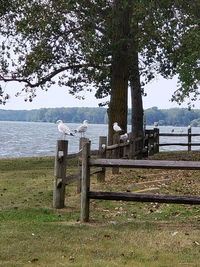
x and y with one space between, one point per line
158 94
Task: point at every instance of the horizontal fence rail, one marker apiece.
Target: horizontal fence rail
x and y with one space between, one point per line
177 134
141 197
151 164
179 144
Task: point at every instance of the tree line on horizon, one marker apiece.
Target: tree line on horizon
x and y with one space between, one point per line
173 116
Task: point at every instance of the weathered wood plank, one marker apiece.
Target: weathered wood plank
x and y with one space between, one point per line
112 147
85 183
173 134
179 144
60 174
189 139
94 152
97 171
116 152
177 134
155 164
142 197
102 154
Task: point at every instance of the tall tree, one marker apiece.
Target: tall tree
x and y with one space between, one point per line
78 44
161 40
118 107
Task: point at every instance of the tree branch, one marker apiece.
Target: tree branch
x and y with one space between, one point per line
47 78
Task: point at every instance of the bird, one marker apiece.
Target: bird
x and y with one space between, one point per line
116 127
156 124
82 128
124 137
63 129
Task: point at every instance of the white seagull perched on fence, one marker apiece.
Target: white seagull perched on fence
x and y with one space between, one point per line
82 128
124 137
116 127
64 129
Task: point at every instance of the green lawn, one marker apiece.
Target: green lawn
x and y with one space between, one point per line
118 234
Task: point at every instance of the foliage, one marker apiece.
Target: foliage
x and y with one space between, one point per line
69 43
165 34
73 115
48 42
174 116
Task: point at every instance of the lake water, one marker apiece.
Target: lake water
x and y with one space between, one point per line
27 139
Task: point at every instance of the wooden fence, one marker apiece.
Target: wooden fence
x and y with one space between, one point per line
151 141
129 148
87 194
132 148
154 139
60 171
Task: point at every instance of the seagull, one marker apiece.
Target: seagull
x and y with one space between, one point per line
64 129
82 128
156 124
124 137
116 127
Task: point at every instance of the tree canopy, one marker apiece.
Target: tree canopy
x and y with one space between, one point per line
48 42
87 44
43 39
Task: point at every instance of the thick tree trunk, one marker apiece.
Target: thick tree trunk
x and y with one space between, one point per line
136 97
136 92
118 107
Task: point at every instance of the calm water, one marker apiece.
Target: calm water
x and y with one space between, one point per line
24 139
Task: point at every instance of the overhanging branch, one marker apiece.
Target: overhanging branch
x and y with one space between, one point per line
46 78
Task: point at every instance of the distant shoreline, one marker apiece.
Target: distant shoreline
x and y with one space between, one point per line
164 117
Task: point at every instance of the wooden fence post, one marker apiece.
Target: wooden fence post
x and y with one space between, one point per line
189 139
116 152
85 183
156 140
146 141
140 146
150 142
126 149
102 154
131 146
60 174
82 141
145 144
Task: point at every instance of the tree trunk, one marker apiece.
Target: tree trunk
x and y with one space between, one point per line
136 98
118 107
136 92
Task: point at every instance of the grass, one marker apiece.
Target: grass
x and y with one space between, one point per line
119 233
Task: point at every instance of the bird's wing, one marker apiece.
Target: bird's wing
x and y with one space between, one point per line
82 128
117 128
63 128
124 137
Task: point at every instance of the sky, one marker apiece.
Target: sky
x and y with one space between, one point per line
158 92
